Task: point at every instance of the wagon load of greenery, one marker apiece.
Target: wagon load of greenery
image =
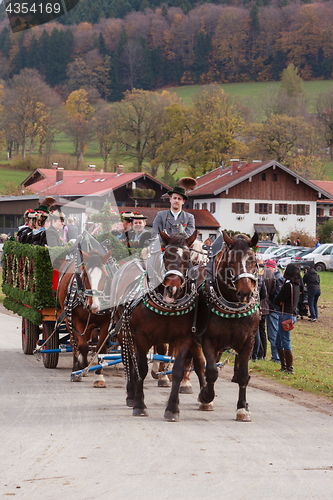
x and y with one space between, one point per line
27 278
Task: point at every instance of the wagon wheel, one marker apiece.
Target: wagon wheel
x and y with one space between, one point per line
50 359
30 334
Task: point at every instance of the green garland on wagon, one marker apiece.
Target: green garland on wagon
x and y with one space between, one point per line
27 280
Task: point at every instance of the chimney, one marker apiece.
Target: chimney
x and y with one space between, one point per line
59 174
234 166
91 168
120 169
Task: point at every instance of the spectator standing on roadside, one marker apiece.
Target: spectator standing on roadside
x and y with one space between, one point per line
288 299
272 318
312 280
269 280
262 295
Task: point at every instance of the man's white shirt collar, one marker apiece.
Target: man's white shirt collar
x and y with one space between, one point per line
176 215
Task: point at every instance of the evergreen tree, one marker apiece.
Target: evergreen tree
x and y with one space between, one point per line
101 45
157 62
60 49
20 59
201 52
147 79
5 42
254 19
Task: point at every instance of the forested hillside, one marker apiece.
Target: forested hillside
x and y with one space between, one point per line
162 46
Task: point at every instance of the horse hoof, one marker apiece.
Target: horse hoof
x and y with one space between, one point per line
171 417
154 375
130 402
140 412
243 415
100 384
186 388
76 378
163 382
207 407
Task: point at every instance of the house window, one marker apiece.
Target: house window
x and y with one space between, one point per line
263 176
212 237
238 208
263 209
199 237
283 208
204 206
9 221
274 177
212 207
197 206
320 212
300 209
331 212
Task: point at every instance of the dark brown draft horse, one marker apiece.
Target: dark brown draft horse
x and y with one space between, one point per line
229 303
80 292
153 316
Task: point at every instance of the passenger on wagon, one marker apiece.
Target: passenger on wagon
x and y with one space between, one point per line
141 236
38 234
53 233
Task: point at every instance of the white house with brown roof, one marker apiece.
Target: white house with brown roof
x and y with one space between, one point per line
267 197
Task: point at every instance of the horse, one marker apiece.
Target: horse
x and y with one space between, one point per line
229 313
199 260
149 316
80 293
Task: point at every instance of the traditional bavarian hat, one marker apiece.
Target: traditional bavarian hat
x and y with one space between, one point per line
32 214
184 184
41 215
139 217
127 216
27 212
46 204
57 214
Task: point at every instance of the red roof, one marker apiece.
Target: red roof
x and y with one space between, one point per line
84 183
325 185
218 179
203 218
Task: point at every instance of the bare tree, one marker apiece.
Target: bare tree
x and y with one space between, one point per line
324 107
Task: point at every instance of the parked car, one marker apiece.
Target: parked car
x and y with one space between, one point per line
288 251
293 259
277 252
266 245
319 258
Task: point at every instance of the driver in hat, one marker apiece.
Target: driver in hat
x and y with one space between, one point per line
175 220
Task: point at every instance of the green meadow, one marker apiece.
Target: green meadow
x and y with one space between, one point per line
62 152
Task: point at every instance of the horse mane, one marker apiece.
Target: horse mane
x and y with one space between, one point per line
241 242
178 240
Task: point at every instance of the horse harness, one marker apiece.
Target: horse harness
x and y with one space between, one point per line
214 298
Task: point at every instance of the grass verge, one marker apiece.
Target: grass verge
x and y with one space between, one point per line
312 346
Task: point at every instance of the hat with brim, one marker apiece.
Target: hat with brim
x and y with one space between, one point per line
139 217
128 216
56 214
178 190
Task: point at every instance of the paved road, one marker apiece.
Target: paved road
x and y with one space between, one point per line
68 440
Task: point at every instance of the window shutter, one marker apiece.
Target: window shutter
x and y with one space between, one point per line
246 208
269 208
233 209
307 209
256 209
277 208
289 209
295 209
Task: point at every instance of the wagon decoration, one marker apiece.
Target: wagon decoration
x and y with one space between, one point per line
27 280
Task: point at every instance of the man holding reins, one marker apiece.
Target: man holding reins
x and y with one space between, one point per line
175 220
